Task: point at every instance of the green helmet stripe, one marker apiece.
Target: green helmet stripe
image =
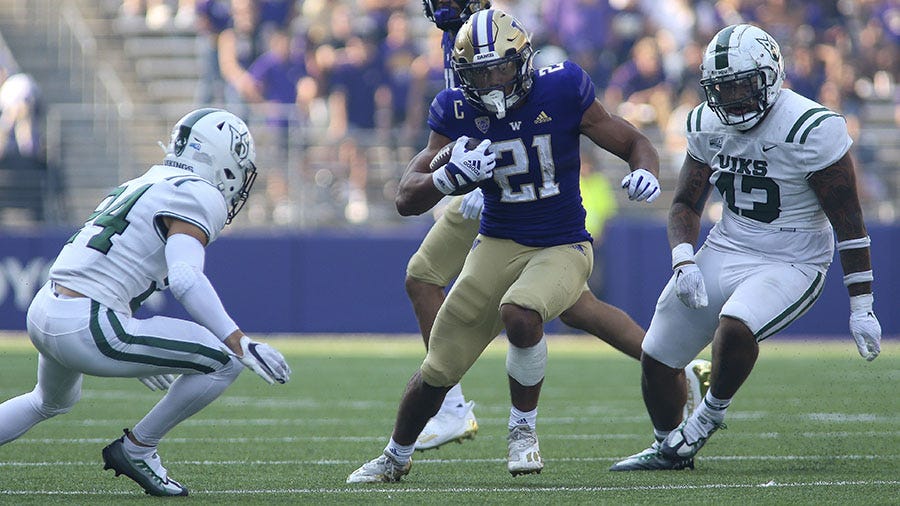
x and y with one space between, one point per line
722 47
184 130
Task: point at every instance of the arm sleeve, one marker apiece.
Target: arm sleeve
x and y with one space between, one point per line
185 257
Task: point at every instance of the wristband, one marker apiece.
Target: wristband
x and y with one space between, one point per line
862 303
442 182
858 277
682 253
862 242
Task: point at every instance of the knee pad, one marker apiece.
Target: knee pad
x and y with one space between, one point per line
527 365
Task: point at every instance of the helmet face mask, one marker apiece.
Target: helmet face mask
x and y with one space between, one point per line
738 98
450 15
742 75
492 56
217 146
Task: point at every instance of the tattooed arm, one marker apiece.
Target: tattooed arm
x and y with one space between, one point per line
691 193
684 227
835 187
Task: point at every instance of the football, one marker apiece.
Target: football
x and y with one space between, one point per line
443 156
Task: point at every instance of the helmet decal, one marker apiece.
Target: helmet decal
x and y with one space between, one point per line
771 47
239 143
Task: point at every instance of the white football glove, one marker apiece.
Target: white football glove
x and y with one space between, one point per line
864 326
465 167
472 204
264 360
689 285
641 185
158 382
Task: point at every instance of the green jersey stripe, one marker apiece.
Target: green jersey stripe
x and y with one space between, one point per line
694 120
722 47
180 180
799 123
816 123
163 232
790 314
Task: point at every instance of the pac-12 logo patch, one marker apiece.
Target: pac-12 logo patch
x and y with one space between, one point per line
483 123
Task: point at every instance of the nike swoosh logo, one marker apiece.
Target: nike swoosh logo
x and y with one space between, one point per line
766 148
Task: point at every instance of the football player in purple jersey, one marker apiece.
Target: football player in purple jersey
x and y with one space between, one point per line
532 256
440 257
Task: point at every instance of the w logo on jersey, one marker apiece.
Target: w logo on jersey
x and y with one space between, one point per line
515 125
240 144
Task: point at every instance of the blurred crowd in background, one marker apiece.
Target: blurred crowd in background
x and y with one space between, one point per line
362 72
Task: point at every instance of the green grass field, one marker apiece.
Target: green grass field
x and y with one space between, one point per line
814 424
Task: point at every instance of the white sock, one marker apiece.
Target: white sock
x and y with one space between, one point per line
713 407
400 453
138 451
517 417
709 414
660 434
454 400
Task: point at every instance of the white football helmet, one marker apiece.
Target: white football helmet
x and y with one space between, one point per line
492 43
217 146
742 74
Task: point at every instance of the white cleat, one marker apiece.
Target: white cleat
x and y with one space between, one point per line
383 469
446 427
524 452
697 376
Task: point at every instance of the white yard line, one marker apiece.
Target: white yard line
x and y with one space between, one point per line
600 436
420 461
365 490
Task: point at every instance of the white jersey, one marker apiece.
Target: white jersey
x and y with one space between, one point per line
118 257
770 209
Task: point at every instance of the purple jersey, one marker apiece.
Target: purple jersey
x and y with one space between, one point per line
534 196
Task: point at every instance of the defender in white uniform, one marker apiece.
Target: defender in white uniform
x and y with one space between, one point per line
146 235
782 165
